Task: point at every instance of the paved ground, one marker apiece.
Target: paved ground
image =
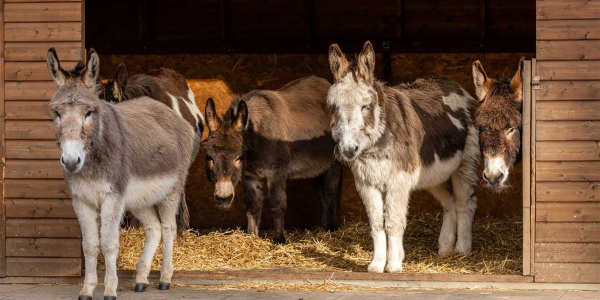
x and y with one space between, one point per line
33 292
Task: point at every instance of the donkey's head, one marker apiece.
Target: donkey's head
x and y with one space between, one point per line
225 149
75 106
114 89
499 120
353 101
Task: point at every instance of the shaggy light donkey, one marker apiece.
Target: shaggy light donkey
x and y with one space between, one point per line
128 157
400 139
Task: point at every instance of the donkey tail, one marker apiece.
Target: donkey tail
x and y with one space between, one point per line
183 216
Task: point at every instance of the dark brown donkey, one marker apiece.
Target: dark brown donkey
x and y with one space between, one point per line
499 120
268 137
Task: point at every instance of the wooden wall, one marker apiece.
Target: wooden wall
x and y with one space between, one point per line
42 232
567 142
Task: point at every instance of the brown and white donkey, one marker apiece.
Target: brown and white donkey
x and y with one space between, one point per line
400 139
268 137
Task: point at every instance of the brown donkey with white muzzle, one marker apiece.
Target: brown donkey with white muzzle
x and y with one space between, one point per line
128 157
268 137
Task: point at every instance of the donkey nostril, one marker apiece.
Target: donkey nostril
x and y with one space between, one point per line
485 177
62 160
78 160
356 149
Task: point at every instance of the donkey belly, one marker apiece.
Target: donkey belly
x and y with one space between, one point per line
310 158
439 171
145 192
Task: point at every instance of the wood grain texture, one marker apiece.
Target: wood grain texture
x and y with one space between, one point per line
29 130
42 12
567 150
568 212
43 247
33 169
567 232
38 266
40 208
567 272
567 252
47 228
569 70
36 188
568 110
568 192
30 90
28 110
567 30
567 130
568 50
67 51
2 149
567 9
568 90
43 32
568 171
24 149
30 71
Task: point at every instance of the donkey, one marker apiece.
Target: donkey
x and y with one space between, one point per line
403 138
499 119
128 157
267 137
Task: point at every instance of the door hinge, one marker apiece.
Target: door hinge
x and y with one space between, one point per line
535 83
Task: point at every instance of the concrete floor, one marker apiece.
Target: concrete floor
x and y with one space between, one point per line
33 292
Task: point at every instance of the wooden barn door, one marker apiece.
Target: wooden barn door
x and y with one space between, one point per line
566 110
41 233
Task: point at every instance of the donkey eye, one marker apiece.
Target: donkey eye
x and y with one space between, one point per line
510 131
239 158
88 114
56 114
209 158
365 108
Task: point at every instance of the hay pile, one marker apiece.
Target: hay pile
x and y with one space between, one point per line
496 249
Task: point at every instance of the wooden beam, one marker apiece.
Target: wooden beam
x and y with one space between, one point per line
526 151
567 9
568 30
533 159
568 191
568 232
2 149
567 272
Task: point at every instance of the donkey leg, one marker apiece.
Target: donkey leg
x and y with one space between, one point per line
448 233
168 211
88 221
278 206
373 201
330 186
254 197
395 209
111 214
152 227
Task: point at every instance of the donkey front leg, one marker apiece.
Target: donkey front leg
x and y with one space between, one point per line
329 190
152 228
111 214
395 211
466 203
168 213
373 201
88 221
278 206
254 197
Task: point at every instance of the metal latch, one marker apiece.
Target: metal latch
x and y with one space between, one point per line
535 83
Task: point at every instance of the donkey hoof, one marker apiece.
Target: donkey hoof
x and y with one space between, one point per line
140 287
84 297
110 297
163 286
280 240
331 228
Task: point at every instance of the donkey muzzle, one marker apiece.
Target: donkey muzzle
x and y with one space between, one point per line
224 193
72 157
349 152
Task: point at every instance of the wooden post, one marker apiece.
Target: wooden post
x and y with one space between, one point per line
532 172
2 147
526 152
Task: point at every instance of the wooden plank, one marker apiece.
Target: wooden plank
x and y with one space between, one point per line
567 130
31 71
567 272
35 188
566 150
567 9
568 50
2 149
567 252
48 228
29 130
67 51
35 169
569 70
534 97
42 266
28 110
25 1
43 247
568 191
568 232
568 171
526 151
569 90
43 32
567 110
568 29
24 149
568 212
42 12
39 208
26 90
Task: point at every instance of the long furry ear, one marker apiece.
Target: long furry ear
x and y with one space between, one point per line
241 118
482 83
120 82
516 83
213 121
337 62
92 70
366 63
58 74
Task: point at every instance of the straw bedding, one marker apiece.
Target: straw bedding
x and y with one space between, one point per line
496 249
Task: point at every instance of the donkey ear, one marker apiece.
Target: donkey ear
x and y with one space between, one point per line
120 82
366 62
241 118
58 74
337 62
92 69
482 83
212 120
516 83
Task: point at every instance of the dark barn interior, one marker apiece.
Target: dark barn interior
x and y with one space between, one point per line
224 47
